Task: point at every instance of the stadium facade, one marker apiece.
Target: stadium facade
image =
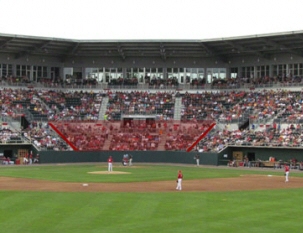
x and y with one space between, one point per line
154 65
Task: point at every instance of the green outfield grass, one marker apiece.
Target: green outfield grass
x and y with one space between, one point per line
240 211
80 173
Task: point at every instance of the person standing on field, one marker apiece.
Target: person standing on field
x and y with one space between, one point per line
286 170
110 163
197 157
130 161
179 180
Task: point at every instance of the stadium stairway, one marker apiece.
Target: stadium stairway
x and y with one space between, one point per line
177 108
107 142
103 108
161 146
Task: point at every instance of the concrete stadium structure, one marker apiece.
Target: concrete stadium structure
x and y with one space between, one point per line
252 56
36 62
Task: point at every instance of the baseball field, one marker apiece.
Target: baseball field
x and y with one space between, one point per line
142 198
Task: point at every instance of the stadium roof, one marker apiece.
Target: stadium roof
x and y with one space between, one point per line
263 46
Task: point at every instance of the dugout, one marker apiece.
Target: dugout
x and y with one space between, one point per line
261 153
14 150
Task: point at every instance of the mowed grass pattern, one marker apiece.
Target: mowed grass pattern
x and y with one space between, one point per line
80 173
249 211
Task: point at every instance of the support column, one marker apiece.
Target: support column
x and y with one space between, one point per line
228 72
255 72
61 72
83 73
270 70
31 73
48 68
14 67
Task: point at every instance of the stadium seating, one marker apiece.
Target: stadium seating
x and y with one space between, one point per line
275 119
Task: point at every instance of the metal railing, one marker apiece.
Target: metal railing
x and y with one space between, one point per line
139 86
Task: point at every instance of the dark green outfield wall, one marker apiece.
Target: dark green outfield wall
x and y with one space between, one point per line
183 157
138 156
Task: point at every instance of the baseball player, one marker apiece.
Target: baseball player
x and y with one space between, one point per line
110 163
197 157
179 180
286 170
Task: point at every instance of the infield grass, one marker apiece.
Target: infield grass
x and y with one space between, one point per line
80 173
267 211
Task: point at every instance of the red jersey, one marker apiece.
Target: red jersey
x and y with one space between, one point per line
286 168
110 160
180 175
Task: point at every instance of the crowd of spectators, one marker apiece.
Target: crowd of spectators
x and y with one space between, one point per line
134 141
42 136
276 118
152 82
71 81
123 82
159 83
7 135
75 105
282 80
51 105
214 105
140 102
84 136
182 136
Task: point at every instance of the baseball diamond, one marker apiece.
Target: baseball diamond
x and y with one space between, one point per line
145 136
242 182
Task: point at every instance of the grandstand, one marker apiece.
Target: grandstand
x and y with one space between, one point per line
158 102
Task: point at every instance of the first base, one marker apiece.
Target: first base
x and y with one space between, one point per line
84 184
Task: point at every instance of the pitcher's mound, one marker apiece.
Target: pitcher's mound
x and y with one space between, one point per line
106 172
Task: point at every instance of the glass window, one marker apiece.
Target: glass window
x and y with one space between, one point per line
18 70
4 70
39 71
233 72
222 73
209 78
141 75
23 72
45 72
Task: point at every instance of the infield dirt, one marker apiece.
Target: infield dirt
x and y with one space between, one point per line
246 182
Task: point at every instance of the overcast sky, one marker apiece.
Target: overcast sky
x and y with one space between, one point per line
149 19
